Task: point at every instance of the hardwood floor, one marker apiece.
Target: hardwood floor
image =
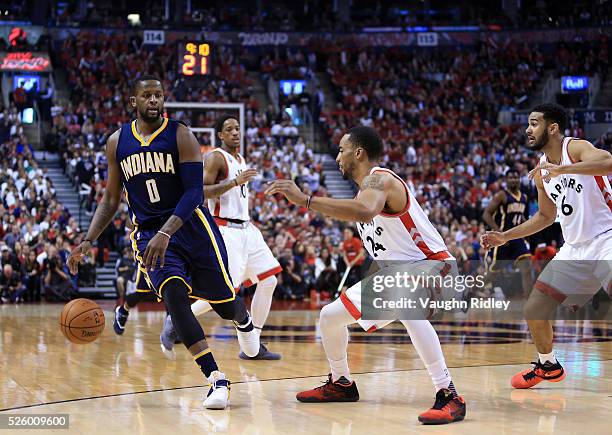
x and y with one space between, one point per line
123 384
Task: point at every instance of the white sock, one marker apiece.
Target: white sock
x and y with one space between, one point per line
439 374
200 307
262 300
427 345
339 368
547 357
334 335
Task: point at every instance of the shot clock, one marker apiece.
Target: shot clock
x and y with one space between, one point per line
194 58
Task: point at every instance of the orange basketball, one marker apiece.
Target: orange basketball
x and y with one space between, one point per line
82 321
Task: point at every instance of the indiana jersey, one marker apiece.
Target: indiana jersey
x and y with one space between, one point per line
407 235
513 212
233 204
584 202
149 171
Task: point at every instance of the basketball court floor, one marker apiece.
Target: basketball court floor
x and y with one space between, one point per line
123 384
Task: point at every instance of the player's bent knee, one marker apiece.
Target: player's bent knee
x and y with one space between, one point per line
270 283
540 306
232 310
329 313
530 310
325 315
134 299
225 310
175 291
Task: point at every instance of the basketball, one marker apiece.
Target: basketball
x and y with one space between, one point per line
82 321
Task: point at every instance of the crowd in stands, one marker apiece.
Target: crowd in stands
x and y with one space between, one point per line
36 232
594 58
436 111
317 15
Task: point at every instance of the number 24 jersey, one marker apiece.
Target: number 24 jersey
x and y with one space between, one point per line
407 235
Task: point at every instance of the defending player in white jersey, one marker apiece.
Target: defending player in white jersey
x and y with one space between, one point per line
393 227
572 182
226 178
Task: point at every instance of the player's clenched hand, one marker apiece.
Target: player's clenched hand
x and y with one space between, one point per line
156 250
548 171
246 176
289 189
491 239
77 255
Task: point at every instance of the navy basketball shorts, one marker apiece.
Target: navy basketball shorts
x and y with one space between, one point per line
514 250
195 255
142 285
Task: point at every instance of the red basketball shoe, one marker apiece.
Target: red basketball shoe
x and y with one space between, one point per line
540 372
340 391
447 408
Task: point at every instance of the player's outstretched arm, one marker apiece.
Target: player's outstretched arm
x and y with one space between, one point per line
106 208
498 199
191 173
370 201
589 161
544 217
214 168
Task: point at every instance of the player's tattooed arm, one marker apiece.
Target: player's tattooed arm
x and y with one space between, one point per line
215 167
112 193
373 181
106 208
370 201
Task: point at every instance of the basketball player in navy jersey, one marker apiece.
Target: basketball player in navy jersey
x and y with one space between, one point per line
175 240
226 178
508 209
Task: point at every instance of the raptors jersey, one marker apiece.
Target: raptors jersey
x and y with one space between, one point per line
407 235
584 204
233 204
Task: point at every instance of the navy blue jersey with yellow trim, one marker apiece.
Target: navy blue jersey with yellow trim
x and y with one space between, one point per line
150 171
513 212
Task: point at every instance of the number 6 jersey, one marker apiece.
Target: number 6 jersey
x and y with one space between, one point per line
407 235
584 204
150 171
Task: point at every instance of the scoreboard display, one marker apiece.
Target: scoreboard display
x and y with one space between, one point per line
194 58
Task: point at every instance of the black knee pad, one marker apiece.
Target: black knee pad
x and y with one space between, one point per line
175 292
232 310
175 296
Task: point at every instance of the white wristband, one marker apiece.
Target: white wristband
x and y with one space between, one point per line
165 234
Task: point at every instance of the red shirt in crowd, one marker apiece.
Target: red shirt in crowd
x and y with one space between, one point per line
352 247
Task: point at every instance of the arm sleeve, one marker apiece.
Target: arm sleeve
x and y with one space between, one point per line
192 178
